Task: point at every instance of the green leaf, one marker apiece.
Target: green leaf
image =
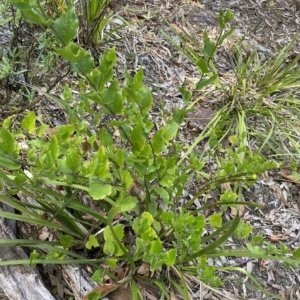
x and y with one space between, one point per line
99 190
98 276
65 28
127 203
296 253
256 240
9 163
147 101
94 295
243 230
136 138
215 220
167 217
119 158
54 147
170 257
105 138
22 4
4 21
202 64
158 141
7 142
100 163
156 247
228 196
111 246
138 80
186 95
170 130
209 46
34 255
33 16
127 179
204 82
92 242
113 98
66 240
73 161
73 53
64 133
163 194
28 122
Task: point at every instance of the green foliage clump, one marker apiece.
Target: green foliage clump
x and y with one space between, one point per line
128 168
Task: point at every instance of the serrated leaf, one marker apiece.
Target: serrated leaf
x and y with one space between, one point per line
54 147
99 190
65 28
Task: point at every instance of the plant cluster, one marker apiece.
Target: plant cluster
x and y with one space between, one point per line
110 173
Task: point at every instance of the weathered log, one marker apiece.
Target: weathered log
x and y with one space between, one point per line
19 282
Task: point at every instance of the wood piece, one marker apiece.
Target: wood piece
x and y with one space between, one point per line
19 282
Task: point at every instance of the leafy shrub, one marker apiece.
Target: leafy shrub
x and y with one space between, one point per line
109 171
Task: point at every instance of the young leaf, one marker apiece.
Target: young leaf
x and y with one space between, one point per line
185 94
7 142
99 190
136 138
73 161
113 98
156 247
138 80
127 203
65 28
170 257
157 141
28 122
170 130
202 64
147 101
111 246
204 82
92 242
215 220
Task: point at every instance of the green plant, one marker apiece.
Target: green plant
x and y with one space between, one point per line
111 157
